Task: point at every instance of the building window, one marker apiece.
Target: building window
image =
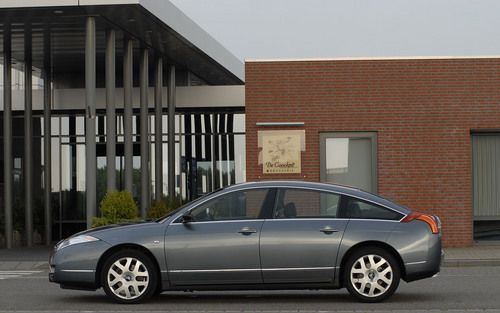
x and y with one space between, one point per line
349 159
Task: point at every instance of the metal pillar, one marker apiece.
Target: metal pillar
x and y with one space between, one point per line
127 111
7 132
144 83
47 106
28 136
158 129
171 131
90 99
110 110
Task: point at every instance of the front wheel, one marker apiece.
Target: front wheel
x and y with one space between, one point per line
371 274
129 276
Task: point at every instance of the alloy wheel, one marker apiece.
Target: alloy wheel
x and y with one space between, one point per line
371 275
128 278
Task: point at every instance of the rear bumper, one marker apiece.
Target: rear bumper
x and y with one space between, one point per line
428 268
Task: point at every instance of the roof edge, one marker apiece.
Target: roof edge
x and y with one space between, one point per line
372 58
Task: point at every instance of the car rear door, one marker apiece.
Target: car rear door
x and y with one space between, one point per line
300 243
221 244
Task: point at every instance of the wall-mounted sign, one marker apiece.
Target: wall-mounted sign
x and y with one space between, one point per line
281 151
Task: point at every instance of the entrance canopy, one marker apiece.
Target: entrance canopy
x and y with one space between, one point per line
155 24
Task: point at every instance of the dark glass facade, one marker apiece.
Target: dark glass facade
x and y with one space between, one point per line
210 154
68 72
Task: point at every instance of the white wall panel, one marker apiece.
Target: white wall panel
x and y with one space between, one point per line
187 97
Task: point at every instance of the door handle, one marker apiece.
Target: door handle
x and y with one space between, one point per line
247 231
328 230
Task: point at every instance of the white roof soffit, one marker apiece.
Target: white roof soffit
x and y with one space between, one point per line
179 22
167 13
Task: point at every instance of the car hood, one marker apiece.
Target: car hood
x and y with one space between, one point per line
137 233
102 229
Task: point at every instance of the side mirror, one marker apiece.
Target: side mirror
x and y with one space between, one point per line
187 218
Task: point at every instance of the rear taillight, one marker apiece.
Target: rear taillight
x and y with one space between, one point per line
431 220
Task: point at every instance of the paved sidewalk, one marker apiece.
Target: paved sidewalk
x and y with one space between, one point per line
25 258
484 254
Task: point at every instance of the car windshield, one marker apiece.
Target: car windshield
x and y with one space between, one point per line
163 218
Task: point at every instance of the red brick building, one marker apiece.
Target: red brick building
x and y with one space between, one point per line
427 130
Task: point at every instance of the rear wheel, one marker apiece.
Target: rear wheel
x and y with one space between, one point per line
371 274
129 276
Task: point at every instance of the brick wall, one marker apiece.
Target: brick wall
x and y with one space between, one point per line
423 111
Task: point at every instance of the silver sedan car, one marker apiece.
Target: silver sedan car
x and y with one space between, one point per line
263 235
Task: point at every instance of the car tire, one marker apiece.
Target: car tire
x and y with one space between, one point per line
371 274
129 276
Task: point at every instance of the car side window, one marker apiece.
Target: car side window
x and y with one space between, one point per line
303 203
359 209
237 205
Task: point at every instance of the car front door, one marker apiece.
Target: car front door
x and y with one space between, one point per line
300 243
220 245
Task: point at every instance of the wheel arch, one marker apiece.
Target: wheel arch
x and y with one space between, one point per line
120 247
365 244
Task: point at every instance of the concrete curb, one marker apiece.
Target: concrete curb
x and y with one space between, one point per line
470 263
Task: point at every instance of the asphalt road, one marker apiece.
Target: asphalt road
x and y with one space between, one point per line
460 289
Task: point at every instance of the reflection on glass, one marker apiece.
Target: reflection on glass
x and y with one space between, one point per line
72 216
349 162
240 159
204 177
54 126
65 125
80 125
101 179
239 123
210 154
55 166
66 166
337 151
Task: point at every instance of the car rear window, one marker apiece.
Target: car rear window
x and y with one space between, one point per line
359 209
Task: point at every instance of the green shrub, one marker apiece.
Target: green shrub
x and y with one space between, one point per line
117 207
158 209
100 221
164 206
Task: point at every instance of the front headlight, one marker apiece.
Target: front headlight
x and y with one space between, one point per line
75 240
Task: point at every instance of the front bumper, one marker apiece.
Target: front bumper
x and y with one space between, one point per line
75 266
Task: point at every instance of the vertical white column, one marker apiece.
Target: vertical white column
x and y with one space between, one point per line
127 112
110 110
47 155
28 135
171 131
7 132
90 99
144 83
158 128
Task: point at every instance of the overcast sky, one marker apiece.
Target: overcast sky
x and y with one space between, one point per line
349 28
